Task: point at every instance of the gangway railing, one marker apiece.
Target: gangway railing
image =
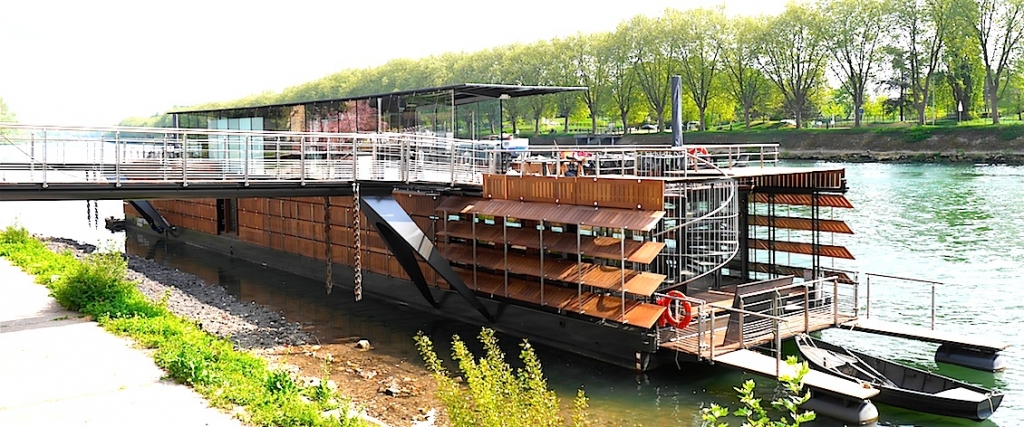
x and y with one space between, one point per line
902 281
779 313
52 154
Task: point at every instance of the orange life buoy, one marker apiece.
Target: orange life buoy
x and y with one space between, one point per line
667 318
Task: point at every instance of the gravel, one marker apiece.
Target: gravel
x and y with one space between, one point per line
247 325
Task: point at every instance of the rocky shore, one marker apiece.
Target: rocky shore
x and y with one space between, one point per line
391 391
248 326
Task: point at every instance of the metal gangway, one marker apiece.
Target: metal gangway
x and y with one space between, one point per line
46 160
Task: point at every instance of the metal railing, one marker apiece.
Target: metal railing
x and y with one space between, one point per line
58 154
907 280
777 312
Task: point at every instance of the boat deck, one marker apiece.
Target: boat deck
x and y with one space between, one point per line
899 330
752 361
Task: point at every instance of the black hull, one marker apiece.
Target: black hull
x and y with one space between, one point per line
914 389
622 345
932 404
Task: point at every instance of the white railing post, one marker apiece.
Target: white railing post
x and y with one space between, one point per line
302 160
933 306
46 147
246 176
712 349
184 159
163 160
835 302
117 159
867 310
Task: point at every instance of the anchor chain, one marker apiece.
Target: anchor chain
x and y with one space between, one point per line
357 278
328 255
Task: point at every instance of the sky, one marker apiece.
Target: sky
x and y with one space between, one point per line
94 63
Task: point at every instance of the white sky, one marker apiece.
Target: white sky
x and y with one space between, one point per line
71 62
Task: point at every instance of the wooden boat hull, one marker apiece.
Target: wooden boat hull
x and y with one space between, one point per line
911 388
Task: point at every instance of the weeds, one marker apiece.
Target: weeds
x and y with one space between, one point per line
495 394
97 286
756 415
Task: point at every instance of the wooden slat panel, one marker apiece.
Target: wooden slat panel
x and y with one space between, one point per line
532 189
621 193
599 276
416 203
568 214
495 187
834 226
802 248
830 200
598 247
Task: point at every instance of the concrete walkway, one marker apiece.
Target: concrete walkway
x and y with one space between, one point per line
57 369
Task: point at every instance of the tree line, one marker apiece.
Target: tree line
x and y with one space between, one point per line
814 59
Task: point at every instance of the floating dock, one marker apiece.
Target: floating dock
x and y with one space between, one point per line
899 330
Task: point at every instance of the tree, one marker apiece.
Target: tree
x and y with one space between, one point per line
962 64
999 28
589 57
696 41
741 49
794 56
857 28
6 115
623 86
921 28
652 62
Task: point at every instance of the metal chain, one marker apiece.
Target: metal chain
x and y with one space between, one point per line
357 279
327 244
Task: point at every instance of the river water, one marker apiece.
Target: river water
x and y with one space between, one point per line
961 225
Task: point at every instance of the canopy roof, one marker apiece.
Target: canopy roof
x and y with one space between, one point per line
465 93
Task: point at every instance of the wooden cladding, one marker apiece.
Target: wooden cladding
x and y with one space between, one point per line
622 193
802 248
598 247
824 200
834 226
820 179
194 214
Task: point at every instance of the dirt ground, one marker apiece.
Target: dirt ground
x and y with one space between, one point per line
396 391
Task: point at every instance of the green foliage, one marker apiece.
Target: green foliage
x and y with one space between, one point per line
494 393
756 415
917 134
97 285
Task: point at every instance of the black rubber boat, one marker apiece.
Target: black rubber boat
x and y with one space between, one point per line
900 385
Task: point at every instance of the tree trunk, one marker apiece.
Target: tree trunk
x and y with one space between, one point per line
703 117
920 113
565 126
993 102
536 125
593 123
799 118
858 103
625 126
746 116
661 119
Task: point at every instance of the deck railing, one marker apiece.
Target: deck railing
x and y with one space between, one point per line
774 314
906 281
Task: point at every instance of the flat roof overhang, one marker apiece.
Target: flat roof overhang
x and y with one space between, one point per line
466 93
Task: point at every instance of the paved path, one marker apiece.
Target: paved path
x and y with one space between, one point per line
57 369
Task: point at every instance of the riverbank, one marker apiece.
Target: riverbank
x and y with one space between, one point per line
112 383
389 391
977 144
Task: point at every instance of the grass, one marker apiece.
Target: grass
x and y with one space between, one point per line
228 378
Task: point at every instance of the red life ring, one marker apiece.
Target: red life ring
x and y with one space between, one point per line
698 151
666 316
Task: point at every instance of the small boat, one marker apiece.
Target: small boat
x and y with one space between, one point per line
900 385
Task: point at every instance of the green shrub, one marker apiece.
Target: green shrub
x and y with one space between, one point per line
495 394
97 285
756 415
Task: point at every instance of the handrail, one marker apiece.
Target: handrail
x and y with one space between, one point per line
931 283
